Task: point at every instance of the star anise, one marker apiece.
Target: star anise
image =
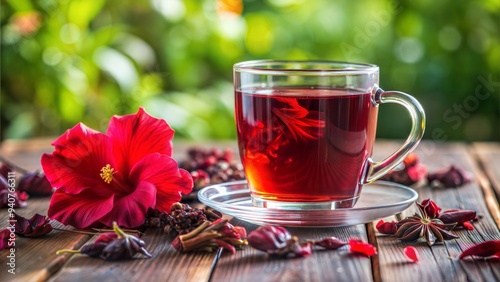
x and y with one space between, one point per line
421 225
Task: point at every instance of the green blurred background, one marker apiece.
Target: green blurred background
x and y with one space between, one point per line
64 61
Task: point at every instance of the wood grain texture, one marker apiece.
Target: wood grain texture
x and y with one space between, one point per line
487 156
165 265
35 257
333 265
440 262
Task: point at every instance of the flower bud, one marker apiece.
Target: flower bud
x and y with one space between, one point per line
431 208
457 216
269 238
330 243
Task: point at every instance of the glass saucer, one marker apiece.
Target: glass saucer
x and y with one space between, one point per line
377 200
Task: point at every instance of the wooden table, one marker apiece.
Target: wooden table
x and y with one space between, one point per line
36 259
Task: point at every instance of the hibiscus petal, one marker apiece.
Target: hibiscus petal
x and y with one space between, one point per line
4 239
136 136
76 163
130 211
163 172
81 210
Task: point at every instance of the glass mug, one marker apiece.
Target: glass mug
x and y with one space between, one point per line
306 131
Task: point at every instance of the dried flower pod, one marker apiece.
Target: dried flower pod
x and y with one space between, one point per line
430 208
457 216
269 238
37 226
329 243
293 246
416 226
358 246
106 237
35 184
451 177
120 246
210 236
485 249
388 228
411 253
124 248
93 250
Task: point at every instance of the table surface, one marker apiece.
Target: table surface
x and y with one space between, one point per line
36 259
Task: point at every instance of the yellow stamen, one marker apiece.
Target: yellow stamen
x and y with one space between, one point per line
107 173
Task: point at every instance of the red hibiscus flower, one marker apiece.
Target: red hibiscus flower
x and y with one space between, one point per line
101 178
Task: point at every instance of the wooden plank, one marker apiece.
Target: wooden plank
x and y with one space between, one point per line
487 156
441 262
166 264
334 265
35 257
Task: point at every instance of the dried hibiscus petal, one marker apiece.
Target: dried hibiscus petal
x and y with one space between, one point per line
457 216
277 241
329 243
485 249
5 235
35 184
412 172
5 168
450 177
388 228
358 246
6 196
411 253
431 208
467 225
38 225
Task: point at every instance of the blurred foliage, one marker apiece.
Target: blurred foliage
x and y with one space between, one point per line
69 61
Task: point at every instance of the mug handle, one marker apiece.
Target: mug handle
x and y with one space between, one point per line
379 169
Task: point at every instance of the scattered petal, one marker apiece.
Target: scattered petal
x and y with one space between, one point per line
388 228
37 226
450 177
5 169
467 225
6 193
358 246
329 243
5 235
485 249
35 184
411 253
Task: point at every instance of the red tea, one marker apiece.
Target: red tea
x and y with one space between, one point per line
303 144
